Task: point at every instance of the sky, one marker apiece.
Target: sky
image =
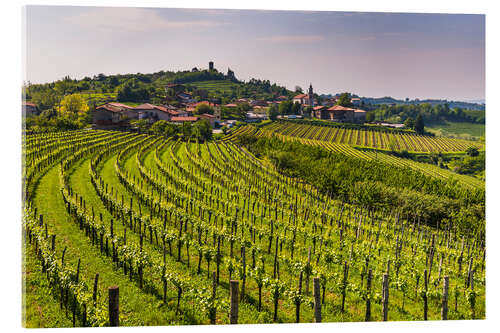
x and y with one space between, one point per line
369 54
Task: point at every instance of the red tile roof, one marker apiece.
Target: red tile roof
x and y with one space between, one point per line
184 119
29 104
145 106
359 110
206 115
339 108
119 105
231 105
108 107
319 107
301 96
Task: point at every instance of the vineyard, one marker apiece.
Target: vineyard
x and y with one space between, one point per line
206 233
384 140
426 168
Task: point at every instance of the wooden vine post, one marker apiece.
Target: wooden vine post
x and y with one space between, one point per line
426 282
243 277
385 295
233 312
344 284
213 315
444 308
317 300
94 294
368 294
113 306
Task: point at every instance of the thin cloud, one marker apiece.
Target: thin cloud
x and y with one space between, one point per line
292 38
132 20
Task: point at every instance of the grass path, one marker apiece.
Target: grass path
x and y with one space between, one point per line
39 307
136 307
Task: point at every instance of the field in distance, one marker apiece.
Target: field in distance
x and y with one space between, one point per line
460 130
379 138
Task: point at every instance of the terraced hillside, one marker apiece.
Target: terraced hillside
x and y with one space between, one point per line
172 222
384 140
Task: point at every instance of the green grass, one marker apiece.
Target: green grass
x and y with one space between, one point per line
136 307
460 130
215 85
39 307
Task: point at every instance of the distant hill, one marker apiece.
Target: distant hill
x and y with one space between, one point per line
151 88
451 104
469 105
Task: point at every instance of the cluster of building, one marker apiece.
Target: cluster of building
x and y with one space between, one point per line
113 114
329 110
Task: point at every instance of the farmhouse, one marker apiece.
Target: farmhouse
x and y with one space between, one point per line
111 115
155 112
341 114
211 119
359 115
30 109
320 112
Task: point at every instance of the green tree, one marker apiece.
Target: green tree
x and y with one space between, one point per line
159 127
273 112
45 99
295 108
73 106
285 107
419 124
410 123
201 130
370 116
472 151
344 100
308 110
204 108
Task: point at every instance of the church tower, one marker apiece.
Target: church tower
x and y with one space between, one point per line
311 96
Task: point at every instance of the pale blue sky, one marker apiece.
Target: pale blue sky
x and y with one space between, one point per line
370 54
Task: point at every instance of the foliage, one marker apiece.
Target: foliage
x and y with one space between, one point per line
344 100
419 124
273 112
201 130
133 90
203 108
73 106
430 114
368 183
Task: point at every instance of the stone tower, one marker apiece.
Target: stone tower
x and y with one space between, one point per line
310 95
210 65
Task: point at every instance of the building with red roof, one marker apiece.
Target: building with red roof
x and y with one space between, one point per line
341 114
210 117
30 109
180 120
